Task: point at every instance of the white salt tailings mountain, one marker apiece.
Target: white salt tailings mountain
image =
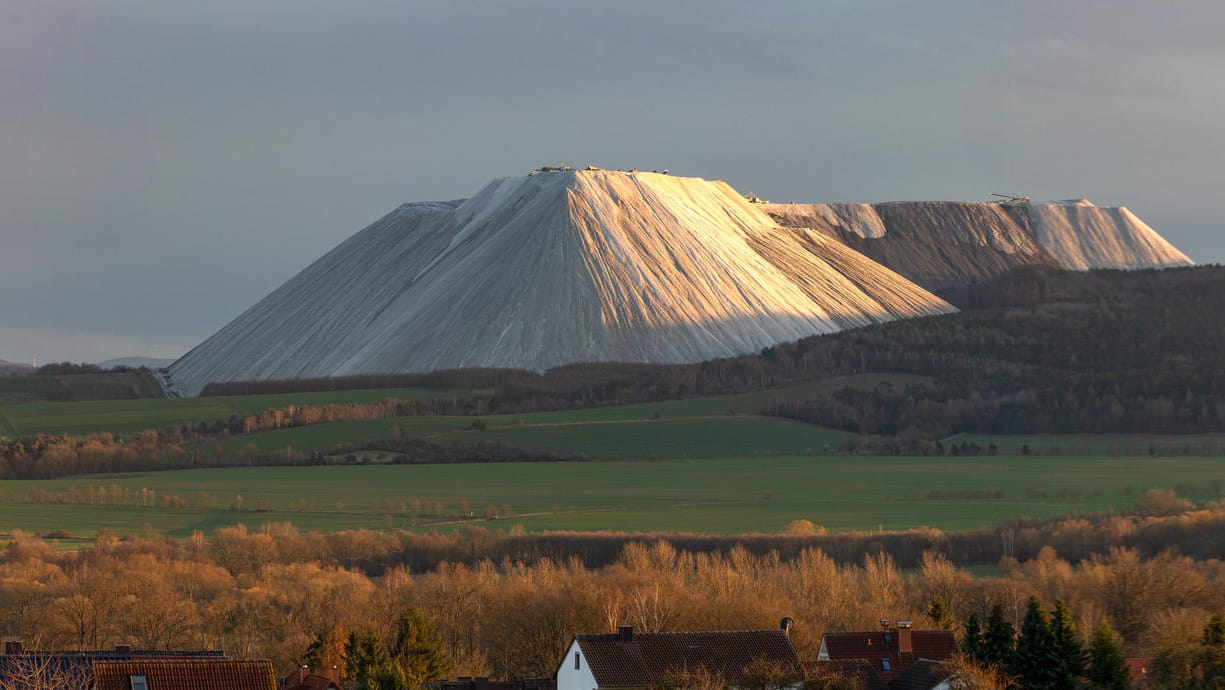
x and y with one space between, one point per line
1082 236
945 244
539 271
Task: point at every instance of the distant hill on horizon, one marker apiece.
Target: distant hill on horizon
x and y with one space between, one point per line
136 362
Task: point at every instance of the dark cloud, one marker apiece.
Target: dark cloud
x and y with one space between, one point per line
165 165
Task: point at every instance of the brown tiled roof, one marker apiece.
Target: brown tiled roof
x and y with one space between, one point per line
1138 669
303 679
861 671
187 674
646 659
311 682
875 645
923 674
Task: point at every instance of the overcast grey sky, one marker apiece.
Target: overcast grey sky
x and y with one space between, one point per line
165 164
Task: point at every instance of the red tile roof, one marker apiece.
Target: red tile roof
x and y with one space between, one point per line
186 674
923 674
876 645
312 682
860 671
303 679
1138 669
647 659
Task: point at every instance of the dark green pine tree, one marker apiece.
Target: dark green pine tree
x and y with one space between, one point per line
1106 668
1000 640
1070 656
369 662
972 639
1034 662
1209 668
418 649
940 616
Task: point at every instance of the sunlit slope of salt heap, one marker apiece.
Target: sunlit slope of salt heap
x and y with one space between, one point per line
1082 236
946 244
539 271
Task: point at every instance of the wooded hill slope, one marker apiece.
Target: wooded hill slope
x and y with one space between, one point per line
1040 351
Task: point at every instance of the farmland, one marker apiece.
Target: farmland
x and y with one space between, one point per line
132 416
714 495
708 465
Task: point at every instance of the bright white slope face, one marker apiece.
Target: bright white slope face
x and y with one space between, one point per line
539 271
1082 236
944 244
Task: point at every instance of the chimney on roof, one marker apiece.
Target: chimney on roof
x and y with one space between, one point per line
885 623
12 647
334 674
786 624
299 675
625 633
905 644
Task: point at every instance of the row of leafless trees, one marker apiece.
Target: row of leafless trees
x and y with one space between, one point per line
275 591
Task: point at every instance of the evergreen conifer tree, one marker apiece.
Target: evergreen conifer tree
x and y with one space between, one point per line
972 639
939 614
1034 661
1070 657
368 661
418 650
1209 668
1106 668
1000 639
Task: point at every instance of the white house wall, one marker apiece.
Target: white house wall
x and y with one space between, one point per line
570 678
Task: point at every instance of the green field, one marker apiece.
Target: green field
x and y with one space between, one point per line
703 465
631 439
721 495
129 416
717 426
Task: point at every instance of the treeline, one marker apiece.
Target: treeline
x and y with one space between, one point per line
184 446
116 384
69 368
267 593
455 379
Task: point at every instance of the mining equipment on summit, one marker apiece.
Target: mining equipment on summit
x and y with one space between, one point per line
1010 199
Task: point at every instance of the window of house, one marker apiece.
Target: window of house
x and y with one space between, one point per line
888 638
577 664
886 665
139 682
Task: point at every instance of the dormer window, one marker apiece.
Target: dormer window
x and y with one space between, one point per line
138 682
886 665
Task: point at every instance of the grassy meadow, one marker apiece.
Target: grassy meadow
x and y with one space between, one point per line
712 495
703 465
132 416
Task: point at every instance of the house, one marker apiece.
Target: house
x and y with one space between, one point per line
891 649
303 679
924 674
469 683
860 672
626 659
1139 670
126 669
184 674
